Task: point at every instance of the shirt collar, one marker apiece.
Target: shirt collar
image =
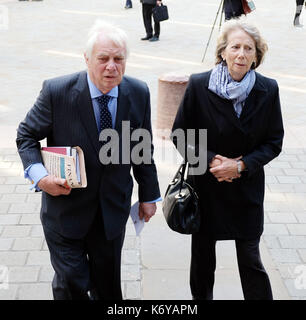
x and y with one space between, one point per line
95 92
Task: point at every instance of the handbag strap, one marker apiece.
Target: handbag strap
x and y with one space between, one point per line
183 170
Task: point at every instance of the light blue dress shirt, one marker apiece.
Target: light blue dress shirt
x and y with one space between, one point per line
37 171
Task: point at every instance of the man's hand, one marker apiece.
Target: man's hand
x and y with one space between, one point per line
146 210
224 169
54 186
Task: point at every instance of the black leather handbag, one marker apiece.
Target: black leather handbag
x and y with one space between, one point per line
181 204
160 13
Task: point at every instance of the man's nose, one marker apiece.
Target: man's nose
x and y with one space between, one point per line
111 65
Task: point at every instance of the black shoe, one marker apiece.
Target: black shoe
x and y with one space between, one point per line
146 38
154 38
128 6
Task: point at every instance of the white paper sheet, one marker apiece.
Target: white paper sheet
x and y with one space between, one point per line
134 214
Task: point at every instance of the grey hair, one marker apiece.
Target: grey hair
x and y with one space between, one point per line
252 31
112 32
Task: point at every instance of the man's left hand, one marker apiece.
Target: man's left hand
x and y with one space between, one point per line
146 210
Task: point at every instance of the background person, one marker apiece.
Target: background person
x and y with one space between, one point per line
298 11
85 228
241 111
233 9
147 7
128 4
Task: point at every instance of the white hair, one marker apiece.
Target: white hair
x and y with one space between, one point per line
112 32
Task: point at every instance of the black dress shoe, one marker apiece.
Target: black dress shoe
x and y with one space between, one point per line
146 38
154 39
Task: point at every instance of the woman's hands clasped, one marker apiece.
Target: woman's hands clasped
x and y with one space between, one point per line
224 169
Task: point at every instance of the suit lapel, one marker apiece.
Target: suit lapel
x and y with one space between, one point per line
85 108
123 105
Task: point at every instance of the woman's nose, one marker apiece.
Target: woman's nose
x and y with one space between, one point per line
241 52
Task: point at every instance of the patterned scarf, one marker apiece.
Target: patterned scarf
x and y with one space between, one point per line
222 84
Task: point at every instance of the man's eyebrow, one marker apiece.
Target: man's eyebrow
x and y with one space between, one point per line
102 54
118 55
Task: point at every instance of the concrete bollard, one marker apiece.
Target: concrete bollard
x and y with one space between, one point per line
171 88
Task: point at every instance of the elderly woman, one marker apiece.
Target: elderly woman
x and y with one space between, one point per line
240 109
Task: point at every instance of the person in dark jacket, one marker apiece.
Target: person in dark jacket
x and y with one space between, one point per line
298 11
147 7
85 228
233 9
240 109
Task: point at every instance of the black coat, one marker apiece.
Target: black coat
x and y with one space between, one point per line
233 8
63 114
148 1
234 210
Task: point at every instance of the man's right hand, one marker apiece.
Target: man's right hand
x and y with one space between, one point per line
53 186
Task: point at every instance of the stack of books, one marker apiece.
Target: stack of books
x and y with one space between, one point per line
66 163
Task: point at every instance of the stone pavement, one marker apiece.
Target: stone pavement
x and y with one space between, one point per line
45 39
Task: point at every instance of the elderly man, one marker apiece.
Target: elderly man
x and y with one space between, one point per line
84 228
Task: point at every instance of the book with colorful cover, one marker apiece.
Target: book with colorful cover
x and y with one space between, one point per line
67 163
61 150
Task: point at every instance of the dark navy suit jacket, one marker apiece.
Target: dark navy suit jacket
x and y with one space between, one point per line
63 114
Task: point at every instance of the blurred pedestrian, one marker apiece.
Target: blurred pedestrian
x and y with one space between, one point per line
298 11
147 7
233 9
128 4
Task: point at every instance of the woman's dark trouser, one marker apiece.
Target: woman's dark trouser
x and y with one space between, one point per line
147 20
87 268
254 279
